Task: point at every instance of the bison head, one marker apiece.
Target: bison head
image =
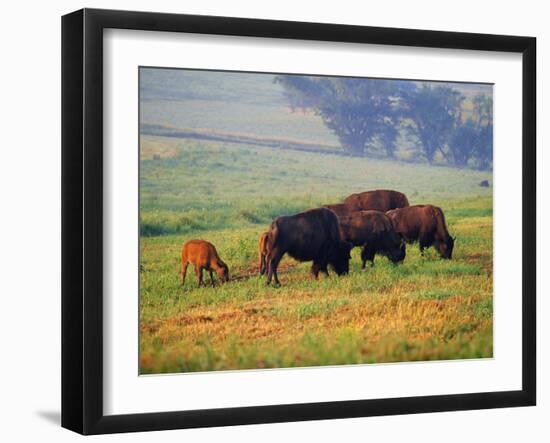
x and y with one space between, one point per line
398 252
223 273
341 257
446 247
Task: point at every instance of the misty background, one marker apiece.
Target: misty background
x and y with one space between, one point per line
439 123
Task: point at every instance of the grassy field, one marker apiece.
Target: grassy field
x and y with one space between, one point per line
424 309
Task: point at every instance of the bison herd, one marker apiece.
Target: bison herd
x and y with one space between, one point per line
379 222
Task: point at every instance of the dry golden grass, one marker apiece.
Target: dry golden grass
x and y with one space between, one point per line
425 309
151 149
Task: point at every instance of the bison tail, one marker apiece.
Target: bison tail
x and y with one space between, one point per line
272 236
438 213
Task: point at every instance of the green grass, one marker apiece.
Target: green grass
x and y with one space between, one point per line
207 186
425 309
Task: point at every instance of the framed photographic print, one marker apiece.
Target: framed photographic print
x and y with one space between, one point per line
269 221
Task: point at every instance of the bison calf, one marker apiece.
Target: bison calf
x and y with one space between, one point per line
425 224
204 257
374 232
311 235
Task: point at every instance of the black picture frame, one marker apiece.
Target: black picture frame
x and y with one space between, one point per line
82 219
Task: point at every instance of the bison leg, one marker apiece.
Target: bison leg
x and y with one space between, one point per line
183 272
425 241
319 267
367 254
272 263
212 278
423 244
198 273
315 268
262 264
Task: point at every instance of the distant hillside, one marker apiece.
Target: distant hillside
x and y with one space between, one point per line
247 106
178 84
252 88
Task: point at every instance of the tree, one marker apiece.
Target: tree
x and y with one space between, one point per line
433 112
472 139
370 114
483 118
463 142
301 92
388 135
358 111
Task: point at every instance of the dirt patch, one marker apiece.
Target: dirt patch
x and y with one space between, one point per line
252 271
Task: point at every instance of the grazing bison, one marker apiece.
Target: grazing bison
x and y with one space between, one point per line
311 235
340 209
203 256
380 200
425 224
374 232
262 252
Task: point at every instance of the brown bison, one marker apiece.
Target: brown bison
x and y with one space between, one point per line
425 224
262 252
374 232
311 235
340 209
203 256
380 200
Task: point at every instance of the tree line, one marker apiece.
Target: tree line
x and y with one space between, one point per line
369 116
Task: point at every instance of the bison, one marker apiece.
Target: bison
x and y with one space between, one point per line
262 252
374 232
425 224
312 235
380 200
340 209
203 256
